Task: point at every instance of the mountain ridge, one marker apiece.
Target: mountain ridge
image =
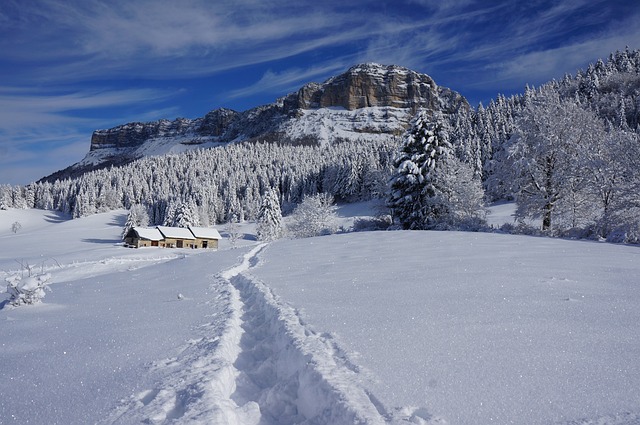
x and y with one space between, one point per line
369 101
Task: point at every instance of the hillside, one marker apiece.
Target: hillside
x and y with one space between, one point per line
368 102
371 327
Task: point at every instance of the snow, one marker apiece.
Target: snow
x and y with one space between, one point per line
176 232
154 146
331 124
475 328
152 234
502 213
369 327
205 232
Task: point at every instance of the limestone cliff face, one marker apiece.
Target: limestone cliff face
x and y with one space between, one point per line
367 102
373 85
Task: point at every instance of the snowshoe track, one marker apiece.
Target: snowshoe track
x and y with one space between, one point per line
257 364
293 374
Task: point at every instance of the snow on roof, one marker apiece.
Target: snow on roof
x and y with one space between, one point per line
205 232
176 232
151 234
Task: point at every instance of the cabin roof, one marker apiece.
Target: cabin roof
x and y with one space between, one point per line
151 234
205 232
176 232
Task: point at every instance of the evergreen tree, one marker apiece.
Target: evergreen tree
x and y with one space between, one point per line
186 215
233 231
170 214
137 217
269 217
414 187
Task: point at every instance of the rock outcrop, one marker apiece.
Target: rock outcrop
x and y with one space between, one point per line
373 85
366 102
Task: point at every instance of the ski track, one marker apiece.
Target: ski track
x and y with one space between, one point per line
70 271
257 363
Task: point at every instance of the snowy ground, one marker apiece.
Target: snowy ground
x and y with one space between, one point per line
371 327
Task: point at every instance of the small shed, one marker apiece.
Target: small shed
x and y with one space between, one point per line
177 237
206 237
143 236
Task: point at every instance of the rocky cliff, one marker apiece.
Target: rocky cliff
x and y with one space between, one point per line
366 102
372 85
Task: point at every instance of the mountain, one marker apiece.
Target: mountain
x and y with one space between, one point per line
367 102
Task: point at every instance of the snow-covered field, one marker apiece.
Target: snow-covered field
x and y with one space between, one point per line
371 327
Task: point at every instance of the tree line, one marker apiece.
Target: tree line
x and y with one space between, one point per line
218 183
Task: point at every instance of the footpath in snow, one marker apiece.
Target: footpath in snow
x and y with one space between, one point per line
259 364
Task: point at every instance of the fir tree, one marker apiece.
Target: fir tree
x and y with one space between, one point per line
137 217
186 215
269 217
413 194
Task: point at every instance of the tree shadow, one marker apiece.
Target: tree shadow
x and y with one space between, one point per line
56 217
102 241
3 304
119 220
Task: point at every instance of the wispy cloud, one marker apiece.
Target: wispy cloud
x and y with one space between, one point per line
540 66
286 81
528 42
28 108
21 164
34 121
27 112
198 37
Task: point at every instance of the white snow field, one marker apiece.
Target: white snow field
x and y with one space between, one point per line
359 328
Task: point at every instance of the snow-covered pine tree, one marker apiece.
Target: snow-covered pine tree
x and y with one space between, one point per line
186 215
170 213
408 182
413 194
138 216
233 231
269 217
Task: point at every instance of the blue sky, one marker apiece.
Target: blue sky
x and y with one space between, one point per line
68 67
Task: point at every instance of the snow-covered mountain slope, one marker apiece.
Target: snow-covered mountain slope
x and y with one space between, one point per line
370 328
367 102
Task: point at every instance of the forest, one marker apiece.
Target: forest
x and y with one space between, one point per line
566 152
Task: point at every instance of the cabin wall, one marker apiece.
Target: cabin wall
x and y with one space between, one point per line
174 243
211 243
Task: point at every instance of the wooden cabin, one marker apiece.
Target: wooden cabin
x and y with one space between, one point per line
143 236
206 237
